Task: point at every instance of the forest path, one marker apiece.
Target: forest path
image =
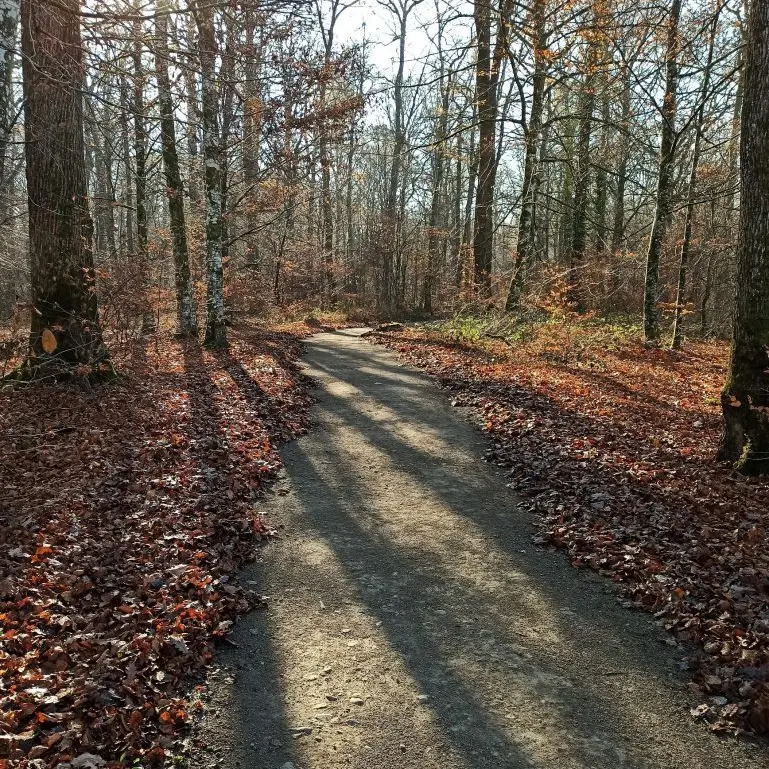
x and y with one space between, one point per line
412 623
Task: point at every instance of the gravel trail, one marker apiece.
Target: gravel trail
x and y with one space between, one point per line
413 625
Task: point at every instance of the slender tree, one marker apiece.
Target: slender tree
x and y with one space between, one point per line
691 192
532 128
9 24
664 196
140 175
185 294
216 329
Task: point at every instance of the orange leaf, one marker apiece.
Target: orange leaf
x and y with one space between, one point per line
48 341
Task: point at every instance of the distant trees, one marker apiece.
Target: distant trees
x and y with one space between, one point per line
251 153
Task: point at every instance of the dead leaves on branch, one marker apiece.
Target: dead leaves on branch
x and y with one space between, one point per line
613 450
124 517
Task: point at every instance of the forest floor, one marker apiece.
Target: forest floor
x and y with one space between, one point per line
414 623
125 514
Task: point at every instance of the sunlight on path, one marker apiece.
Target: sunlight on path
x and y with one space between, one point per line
412 622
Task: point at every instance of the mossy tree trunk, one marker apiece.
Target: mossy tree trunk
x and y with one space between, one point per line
65 335
745 398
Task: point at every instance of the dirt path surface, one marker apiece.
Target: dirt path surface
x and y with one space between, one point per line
412 623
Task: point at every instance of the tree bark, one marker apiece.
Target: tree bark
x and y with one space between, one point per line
664 196
745 398
65 335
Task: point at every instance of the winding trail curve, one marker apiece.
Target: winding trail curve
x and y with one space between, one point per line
412 623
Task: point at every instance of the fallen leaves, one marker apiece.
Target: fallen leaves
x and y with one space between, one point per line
125 515
613 450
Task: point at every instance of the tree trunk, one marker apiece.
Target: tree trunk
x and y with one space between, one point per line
185 294
664 197
456 224
618 231
487 81
463 268
216 329
9 24
125 144
601 175
252 132
434 235
193 113
699 124
745 398
324 153
582 171
140 165
65 335
391 222
525 245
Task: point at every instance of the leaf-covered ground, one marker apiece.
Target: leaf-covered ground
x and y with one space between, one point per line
124 515
612 446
